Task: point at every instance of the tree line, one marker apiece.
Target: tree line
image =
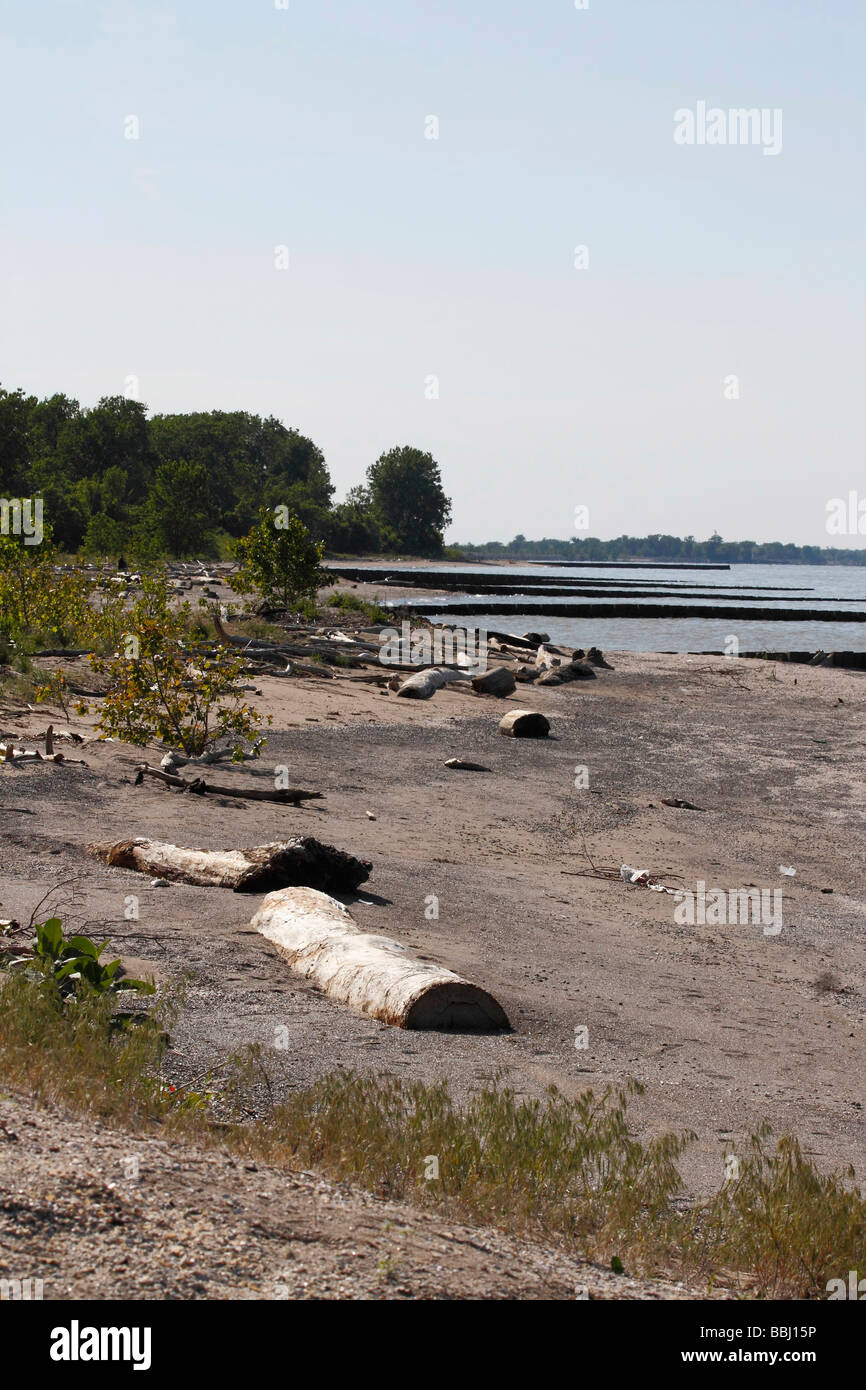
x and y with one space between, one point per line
114 479
660 547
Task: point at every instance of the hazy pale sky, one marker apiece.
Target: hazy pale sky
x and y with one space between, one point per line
153 261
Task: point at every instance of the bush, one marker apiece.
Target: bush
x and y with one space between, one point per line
160 690
280 560
70 967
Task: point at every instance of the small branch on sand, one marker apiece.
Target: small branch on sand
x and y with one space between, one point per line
199 787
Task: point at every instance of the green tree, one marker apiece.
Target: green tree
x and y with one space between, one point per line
280 559
182 507
408 501
15 444
251 463
104 536
160 690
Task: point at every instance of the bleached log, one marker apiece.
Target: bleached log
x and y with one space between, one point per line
524 723
546 658
425 683
301 860
373 974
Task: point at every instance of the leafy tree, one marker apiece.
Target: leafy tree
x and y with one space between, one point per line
251 463
408 501
353 526
160 690
15 445
280 559
114 434
103 536
182 507
38 599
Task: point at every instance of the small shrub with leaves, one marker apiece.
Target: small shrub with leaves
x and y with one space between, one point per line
280 560
160 690
72 965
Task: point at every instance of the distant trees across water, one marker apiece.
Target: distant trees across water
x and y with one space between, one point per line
656 547
113 479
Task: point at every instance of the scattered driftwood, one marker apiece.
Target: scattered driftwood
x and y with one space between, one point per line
339 648
568 671
497 681
595 657
546 658
524 723
425 683
71 652
460 765
681 805
10 754
199 787
372 974
213 755
301 860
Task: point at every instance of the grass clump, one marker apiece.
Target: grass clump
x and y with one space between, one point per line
348 603
556 1169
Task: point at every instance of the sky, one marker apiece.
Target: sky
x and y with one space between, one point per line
363 218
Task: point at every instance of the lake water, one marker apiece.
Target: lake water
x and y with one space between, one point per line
826 587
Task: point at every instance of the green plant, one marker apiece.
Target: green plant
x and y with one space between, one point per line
784 1225
349 604
73 964
53 689
280 560
160 690
36 596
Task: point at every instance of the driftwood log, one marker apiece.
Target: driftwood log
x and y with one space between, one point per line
302 860
372 974
511 639
524 723
199 787
497 681
546 658
568 671
425 683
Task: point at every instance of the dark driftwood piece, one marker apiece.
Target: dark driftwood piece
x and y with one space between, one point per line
301 861
198 786
524 723
568 671
497 681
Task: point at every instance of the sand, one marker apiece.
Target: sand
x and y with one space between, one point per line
725 1026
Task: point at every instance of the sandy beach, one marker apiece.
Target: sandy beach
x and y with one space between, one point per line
723 1024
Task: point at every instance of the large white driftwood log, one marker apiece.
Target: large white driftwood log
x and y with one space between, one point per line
372 974
425 683
302 860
